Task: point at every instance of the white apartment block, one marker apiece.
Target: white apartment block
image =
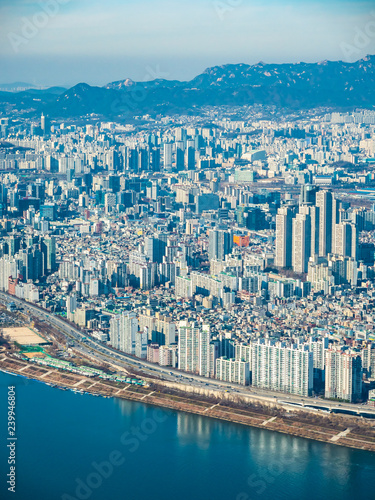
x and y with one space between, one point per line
123 332
183 287
230 370
281 367
343 377
194 349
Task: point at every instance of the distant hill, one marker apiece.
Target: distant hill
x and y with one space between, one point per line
16 86
297 86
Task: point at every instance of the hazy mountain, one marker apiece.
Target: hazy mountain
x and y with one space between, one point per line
128 84
289 75
30 102
293 86
16 86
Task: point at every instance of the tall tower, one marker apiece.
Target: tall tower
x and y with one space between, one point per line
346 240
219 244
284 228
343 378
180 156
188 347
155 159
123 331
313 217
204 351
324 201
301 242
168 156
45 124
190 158
337 214
49 253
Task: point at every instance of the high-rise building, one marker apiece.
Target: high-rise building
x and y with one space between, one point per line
123 332
339 215
13 244
324 200
143 160
313 213
243 353
194 349
49 252
147 275
155 247
368 360
168 355
346 240
344 270
132 159
112 160
204 351
71 306
220 244
8 269
343 375
168 148
190 158
45 124
282 367
308 194
188 347
110 200
180 157
183 287
155 159
301 243
141 341
231 370
94 287
181 134
284 227
153 353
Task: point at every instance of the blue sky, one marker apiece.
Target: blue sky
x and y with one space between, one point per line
67 41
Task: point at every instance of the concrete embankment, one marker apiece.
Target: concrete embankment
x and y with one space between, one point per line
352 432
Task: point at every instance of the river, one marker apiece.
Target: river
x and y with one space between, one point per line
78 447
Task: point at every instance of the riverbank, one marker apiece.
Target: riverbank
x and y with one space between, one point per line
352 432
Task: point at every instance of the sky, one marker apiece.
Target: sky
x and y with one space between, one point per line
64 42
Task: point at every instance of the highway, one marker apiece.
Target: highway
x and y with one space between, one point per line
102 352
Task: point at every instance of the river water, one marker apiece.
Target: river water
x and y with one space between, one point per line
80 447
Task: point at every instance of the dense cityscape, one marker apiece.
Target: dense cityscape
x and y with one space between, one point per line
187 250
235 245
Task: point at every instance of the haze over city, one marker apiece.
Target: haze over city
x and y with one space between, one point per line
67 42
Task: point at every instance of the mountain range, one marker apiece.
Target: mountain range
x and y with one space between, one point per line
298 86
